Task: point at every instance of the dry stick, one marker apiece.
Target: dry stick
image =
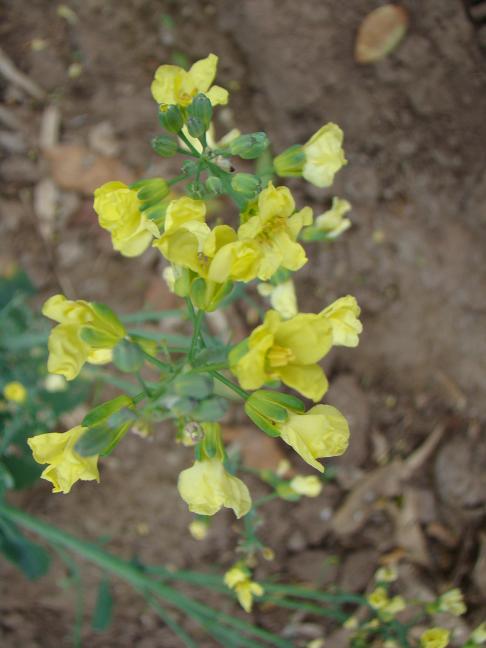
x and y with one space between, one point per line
18 78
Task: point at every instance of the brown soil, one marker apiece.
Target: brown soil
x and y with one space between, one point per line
414 136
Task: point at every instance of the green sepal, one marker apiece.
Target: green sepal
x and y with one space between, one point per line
97 338
152 189
105 410
211 446
280 398
284 491
110 319
250 146
290 163
102 439
267 407
260 421
193 385
128 356
198 293
312 234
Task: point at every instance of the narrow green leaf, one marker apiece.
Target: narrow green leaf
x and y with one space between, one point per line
103 612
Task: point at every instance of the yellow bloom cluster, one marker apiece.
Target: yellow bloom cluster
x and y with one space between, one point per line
332 221
68 348
15 392
118 209
289 350
435 638
238 579
206 487
174 85
66 466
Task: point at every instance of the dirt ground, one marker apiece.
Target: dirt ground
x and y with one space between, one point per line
414 137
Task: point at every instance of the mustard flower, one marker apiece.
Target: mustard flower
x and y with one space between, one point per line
174 85
266 241
309 485
321 432
387 574
435 638
332 221
286 350
15 392
118 209
238 579
66 466
343 316
282 297
68 351
324 156
378 599
452 602
206 487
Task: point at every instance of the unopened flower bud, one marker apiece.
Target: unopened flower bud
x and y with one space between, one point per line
196 127
290 163
201 110
249 146
172 118
246 184
164 146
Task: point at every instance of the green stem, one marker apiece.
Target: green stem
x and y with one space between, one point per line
188 144
196 335
177 179
241 392
186 152
156 362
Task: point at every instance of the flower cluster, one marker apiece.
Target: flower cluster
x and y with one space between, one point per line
206 259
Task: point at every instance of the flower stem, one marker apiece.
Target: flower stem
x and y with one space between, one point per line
241 392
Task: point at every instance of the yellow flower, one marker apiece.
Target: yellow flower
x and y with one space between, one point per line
15 392
378 599
288 351
238 579
198 529
321 432
394 606
387 574
324 156
435 638
351 623
310 485
282 297
66 466
174 85
55 383
118 209
266 241
206 487
332 222
67 350
452 602
343 315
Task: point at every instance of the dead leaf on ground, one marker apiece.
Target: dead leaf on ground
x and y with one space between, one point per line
380 32
76 168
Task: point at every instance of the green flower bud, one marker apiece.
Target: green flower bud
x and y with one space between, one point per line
249 146
164 146
189 167
201 109
290 163
214 185
172 118
196 127
151 191
246 183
